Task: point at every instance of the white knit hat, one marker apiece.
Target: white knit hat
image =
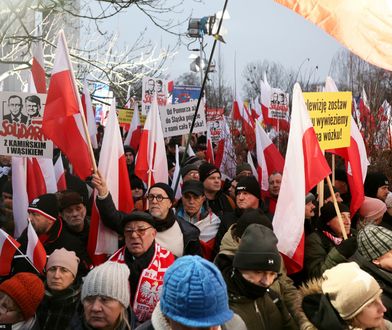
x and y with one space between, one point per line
109 279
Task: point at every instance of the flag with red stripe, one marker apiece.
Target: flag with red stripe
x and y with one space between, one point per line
8 246
35 250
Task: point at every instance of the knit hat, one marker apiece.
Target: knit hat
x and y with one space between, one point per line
109 279
207 169
26 290
257 250
187 168
372 209
250 185
138 216
69 198
46 205
169 191
242 167
374 241
194 293
328 211
309 198
248 217
64 258
373 181
194 187
349 289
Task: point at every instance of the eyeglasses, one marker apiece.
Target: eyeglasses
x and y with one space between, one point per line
138 231
159 198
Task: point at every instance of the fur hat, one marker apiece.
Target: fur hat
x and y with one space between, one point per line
349 288
250 185
372 209
45 205
26 290
258 250
374 241
64 258
110 279
169 191
207 169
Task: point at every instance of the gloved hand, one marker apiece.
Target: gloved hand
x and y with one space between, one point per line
348 247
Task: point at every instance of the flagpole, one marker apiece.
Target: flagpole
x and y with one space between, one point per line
85 128
335 203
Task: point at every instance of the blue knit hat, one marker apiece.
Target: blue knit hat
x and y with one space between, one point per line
194 293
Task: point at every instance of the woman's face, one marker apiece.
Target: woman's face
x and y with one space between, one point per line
372 316
102 312
10 313
59 278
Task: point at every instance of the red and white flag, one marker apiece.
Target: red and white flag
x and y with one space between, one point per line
89 115
8 247
38 67
177 177
62 122
252 165
151 158
60 174
355 157
40 177
269 159
210 149
112 166
20 199
135 130
35 250
304 167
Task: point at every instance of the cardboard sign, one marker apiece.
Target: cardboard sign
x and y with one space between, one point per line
330 113
20 131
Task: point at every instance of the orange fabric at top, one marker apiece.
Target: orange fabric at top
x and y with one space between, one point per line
363 26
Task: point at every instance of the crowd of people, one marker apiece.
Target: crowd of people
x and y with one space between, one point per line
208 260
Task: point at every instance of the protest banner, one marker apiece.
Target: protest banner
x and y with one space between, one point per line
20 131
125 116
152 87
279 104
215 122
177 118
182 94
330 113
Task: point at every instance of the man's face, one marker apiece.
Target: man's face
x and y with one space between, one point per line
32 109
309 210
274 184
382 192
335 226
192 203
261 278
337 196
137 192
160 209
41 224
191 175
139 235
129 157
74 216
150 85
246 200
213 183
15 106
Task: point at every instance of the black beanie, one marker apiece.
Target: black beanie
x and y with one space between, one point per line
258 250
249 217
46 205
242 167
187 168
249 184
374 180
207 169
166 188
328 212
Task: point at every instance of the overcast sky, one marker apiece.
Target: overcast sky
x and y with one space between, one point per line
257 30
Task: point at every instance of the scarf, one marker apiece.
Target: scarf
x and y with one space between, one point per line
162 225
246 288
335 240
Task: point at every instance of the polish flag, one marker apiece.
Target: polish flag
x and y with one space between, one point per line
269 159
210 148
89 115
35 250
249 160
60 174
151 158
41 177
62 122
304 167
365 116
20 200
177 176
38 67
135 130
103 241
355 157
8 246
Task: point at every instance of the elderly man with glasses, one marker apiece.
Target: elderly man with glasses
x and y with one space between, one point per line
176 235
147 262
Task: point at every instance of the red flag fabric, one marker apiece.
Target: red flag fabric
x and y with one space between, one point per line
112 166
135 130
89 114
62 121
35 250
60 174
40 177
269 159
38 67
151 157
355 159
210 149
304 167
8 246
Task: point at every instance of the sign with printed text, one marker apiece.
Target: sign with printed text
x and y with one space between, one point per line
21 122
330 113
177 118
152 87
215 122
279 104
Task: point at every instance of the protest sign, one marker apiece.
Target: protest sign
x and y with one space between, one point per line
215 122
20 131
279 104
330 113
177 118
182 94
152 87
